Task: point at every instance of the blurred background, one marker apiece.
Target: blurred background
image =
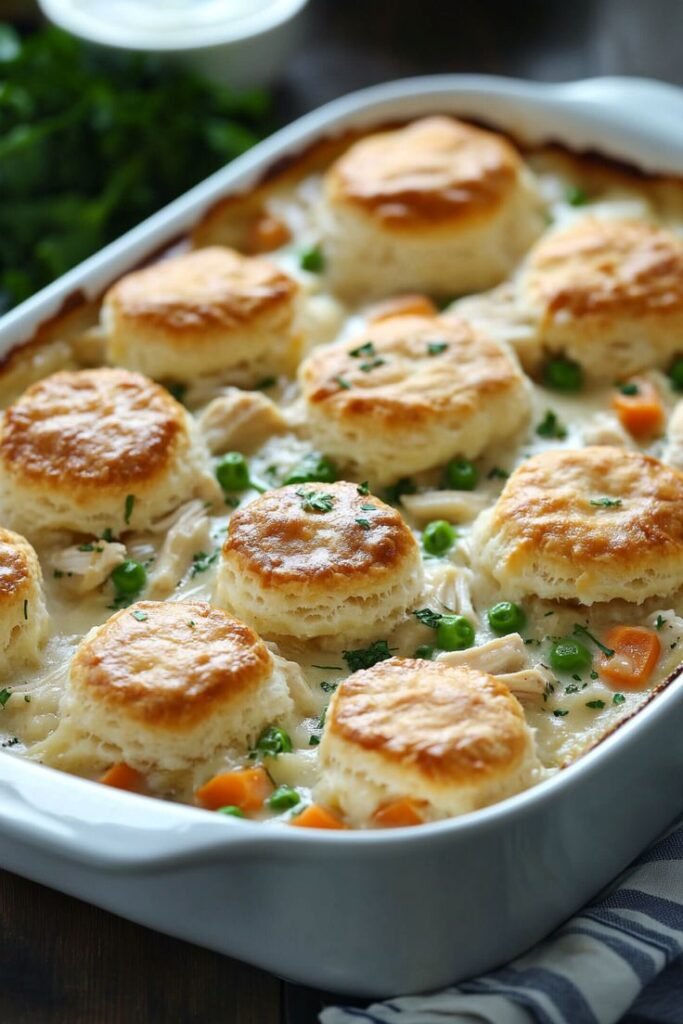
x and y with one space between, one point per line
94 139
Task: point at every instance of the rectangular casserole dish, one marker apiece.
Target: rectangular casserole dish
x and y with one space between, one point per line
367 913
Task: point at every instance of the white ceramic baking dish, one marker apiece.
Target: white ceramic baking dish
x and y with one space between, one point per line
368 913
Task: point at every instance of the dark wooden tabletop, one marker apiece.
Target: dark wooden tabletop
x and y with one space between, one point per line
63 962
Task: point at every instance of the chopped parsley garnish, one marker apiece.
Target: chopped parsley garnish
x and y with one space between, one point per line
27 698
328 687
315 501
330 668
368 508
11 742
312 260
435 348
343 384
26 609
363 488
606 502
90 547
364 523
367 349
594 674
497 474
428 617
629 389
571 688
140 616
201 561
128 509
560 713
108 536
265 383
595 704
366 657
580 630
661 621
177 390
372 364
5 695
551 427
273 741
58 574
576 195
618 698
313 740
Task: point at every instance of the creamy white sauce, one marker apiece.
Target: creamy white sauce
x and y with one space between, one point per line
568 718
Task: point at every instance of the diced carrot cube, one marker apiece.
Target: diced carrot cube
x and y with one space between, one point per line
636 652
317 817
267 233
642 413
246 788
398 814
402 305
122 776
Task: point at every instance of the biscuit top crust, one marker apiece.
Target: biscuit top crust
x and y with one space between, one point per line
409 370
452 723
18 566
597 503
596 267
189 295
433 172
318 533
90 429
170 664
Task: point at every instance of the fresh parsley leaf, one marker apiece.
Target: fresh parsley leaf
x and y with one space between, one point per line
496 473
606 502
140 616
428 617
618 698
367 349
551 427
629 389
580 630
435 348
363 489
315 501
366 657
368 508
5 695
328 687
403 486
201 561
343 384
372 364
560 713
661 621
595 704
128 510
364 523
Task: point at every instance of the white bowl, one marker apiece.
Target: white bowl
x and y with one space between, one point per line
248 46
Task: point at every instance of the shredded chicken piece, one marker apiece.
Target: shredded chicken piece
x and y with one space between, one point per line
673 452
502 656
530 682
455 506
299 690
605 428
84 567
451 588
188 533
240 421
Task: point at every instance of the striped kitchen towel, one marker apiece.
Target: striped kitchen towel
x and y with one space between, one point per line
606 959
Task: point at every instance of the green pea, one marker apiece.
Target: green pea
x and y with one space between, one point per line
232 473
576 196
676 374
232 811
314 468
312 260
461 475
454 633
563 374
129 578
506 617
438 537
568 655
283 798
273 741
425 651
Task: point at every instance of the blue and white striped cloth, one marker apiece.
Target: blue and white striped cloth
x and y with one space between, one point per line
622 955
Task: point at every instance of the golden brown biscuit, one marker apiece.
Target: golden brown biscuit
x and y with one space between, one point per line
438 206
206 313
607 294
451 738
93 450
166 685
24 621
319 560
589 525
411 393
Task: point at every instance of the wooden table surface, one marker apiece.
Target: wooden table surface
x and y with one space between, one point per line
63 962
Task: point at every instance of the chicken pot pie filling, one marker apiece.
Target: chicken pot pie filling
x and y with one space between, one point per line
421 564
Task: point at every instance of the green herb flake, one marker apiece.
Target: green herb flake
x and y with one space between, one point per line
595 704
265 384
365 524
108 536
606 502
372 364
580 630
496 473
315 501
58 574
367 349
661 621
140 616
201 561
27 698
363 489
328 687
313 740
366 657
428 617
312 260
551 427
343 384
368 508
629 389
594 674
576 195
128 508
435 348
5 695
618 698
403 486
560 713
